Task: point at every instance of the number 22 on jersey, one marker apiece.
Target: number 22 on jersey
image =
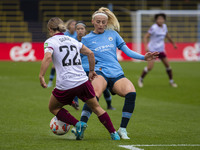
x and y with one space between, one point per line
74 60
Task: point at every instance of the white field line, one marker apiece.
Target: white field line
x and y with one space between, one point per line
134 147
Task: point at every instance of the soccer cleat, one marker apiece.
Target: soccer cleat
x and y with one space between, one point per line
115 136
73 130
50 84
173 84
123 133
79 130
111 108
140 83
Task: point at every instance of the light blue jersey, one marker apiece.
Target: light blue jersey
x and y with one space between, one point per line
104 47
71 35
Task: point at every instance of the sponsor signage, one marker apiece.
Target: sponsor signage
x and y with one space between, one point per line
35 52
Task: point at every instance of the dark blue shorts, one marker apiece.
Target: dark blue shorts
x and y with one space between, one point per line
110 81
84 92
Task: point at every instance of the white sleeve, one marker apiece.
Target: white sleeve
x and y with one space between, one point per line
166 28
48 46
50 50
80 45
151 30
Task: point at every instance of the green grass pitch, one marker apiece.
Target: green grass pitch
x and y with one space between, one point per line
163 115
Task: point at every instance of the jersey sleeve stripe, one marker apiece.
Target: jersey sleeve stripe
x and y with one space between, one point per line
50 47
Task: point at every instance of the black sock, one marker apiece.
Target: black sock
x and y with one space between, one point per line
128 108
86 112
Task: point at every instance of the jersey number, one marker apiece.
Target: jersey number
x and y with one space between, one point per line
75 60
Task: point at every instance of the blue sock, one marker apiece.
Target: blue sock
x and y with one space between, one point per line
52 74
76 99
128 108
107 97
86 112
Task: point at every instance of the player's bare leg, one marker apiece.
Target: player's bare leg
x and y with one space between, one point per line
148 68
169 72
123 87
103 117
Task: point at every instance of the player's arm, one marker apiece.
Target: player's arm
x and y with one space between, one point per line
86 51
170 40
44 66
148 56
146 37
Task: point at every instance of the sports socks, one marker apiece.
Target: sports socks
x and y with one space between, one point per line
128 108
76 99
169 72
86 112
107 97
105 120
145 71
52 74
66 117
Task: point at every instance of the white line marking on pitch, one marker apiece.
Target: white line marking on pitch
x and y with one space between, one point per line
134 147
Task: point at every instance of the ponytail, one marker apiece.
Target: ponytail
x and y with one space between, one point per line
61 27
56 24
113 22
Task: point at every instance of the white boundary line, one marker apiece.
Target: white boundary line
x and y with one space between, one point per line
134 147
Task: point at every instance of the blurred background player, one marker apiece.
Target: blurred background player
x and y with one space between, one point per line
81 31
104 41
157 34
71 30
51 77
71 83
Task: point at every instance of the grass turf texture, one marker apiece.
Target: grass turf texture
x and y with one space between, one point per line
163 115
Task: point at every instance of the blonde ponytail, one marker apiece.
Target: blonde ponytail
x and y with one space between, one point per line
56 24
62 27
113 22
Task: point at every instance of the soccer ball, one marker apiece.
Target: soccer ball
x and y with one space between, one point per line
58 127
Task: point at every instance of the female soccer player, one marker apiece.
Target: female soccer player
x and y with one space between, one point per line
157 34
81 31
71 31
104 41
71 80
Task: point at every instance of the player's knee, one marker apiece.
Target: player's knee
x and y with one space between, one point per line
53 110
97 92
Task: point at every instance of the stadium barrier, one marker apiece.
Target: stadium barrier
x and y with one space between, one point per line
35 51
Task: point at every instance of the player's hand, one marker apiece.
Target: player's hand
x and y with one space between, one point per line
151 55
42 82
92 75
147 49
175 46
